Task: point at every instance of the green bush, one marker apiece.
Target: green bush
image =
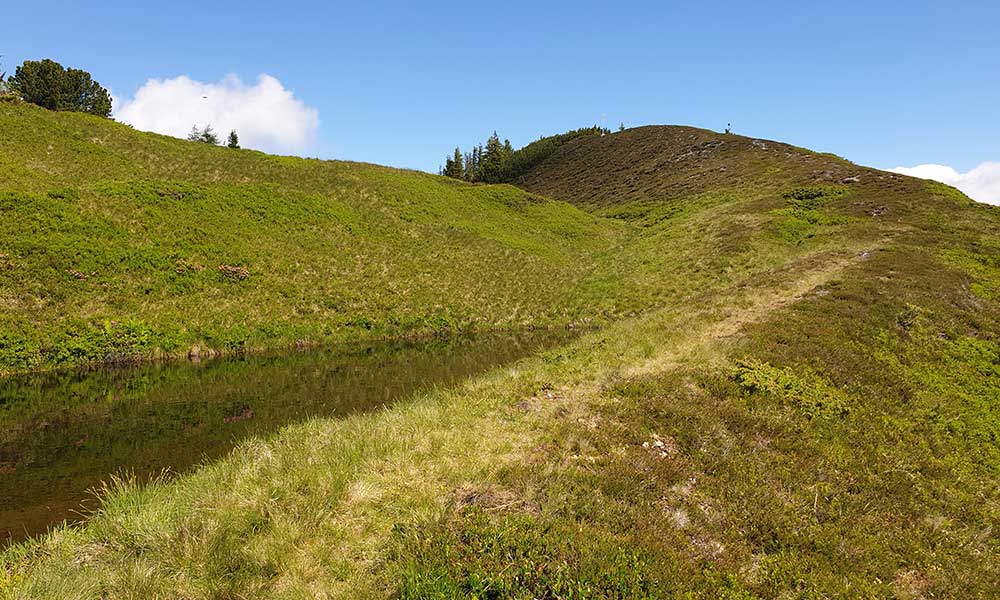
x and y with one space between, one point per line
809 393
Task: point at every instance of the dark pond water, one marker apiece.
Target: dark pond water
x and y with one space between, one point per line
62 434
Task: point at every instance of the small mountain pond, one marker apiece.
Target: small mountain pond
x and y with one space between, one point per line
63 433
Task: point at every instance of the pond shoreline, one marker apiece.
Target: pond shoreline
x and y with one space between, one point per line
198 352
65 432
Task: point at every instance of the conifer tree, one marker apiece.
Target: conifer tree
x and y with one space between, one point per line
469 167
492 162
477 163
453 165
234 140
206 135
50 85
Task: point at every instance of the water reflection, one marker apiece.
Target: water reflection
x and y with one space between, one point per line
61 434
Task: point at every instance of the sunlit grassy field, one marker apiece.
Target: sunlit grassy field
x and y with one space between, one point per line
794 394
118 245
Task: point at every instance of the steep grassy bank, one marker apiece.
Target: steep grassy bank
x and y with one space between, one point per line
805 407
118 244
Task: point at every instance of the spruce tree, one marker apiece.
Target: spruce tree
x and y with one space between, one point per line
477 163
459 166
453 165
505 161
468 166
234 140
492 161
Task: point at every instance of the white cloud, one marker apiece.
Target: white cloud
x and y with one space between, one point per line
265 115
981 184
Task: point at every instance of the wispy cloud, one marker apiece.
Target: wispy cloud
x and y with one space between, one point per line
981 184
265 115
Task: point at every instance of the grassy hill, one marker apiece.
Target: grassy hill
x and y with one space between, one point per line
795 392
119 245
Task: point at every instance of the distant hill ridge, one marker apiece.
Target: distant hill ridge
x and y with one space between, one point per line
670 161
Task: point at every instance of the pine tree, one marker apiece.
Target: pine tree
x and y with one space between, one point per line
621 126
50 85
234 140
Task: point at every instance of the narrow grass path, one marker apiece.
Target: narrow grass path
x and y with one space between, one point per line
748 303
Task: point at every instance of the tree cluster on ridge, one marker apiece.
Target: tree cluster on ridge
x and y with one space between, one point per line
48 84
498 162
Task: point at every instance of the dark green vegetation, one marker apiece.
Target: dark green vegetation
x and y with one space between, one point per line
500 163
48 84
796 396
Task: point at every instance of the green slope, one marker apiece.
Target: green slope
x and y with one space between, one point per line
797 397
117 244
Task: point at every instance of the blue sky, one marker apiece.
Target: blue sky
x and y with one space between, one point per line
881 83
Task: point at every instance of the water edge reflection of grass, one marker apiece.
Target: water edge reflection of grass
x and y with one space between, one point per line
64 433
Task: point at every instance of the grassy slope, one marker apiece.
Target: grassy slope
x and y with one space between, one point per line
112 241
807 408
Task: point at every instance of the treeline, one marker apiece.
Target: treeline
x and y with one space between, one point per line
482 163
498 162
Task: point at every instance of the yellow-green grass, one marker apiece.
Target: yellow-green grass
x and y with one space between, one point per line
796 397
702 449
